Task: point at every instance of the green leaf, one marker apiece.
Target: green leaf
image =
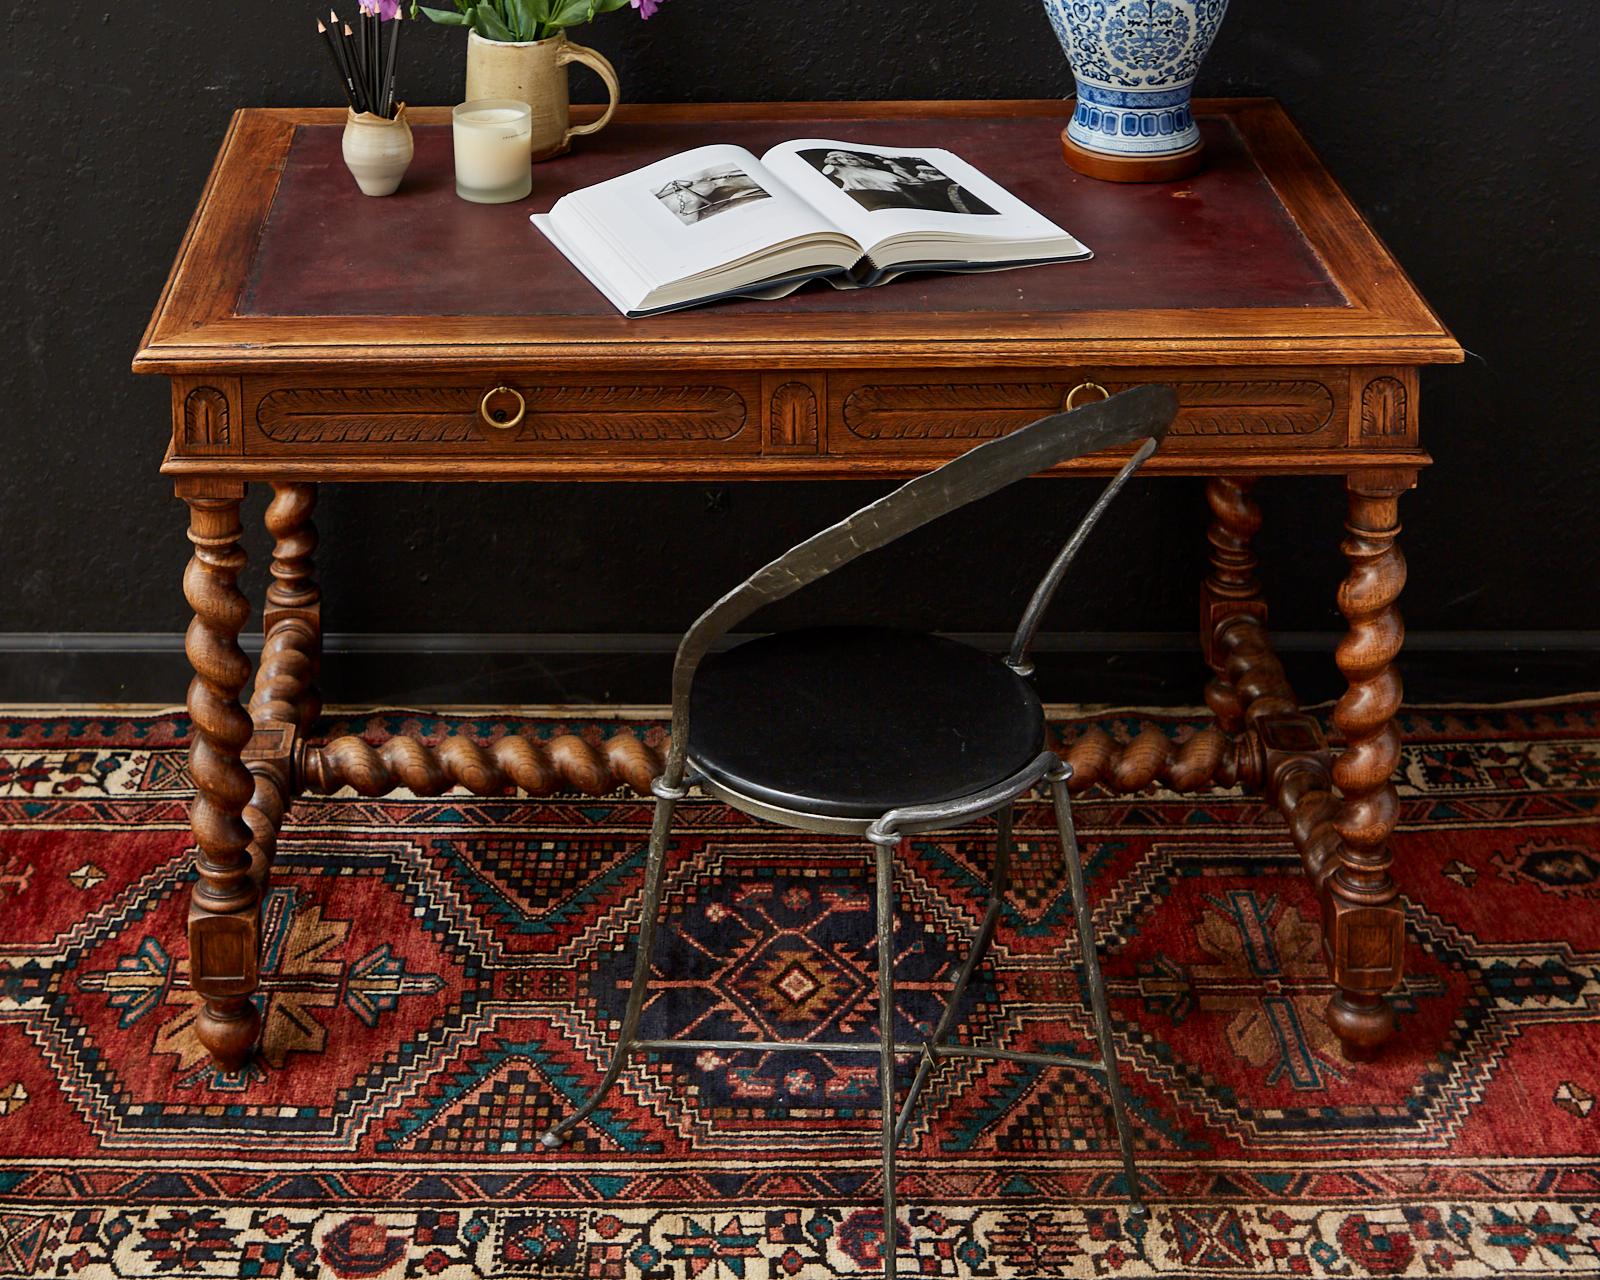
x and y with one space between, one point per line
569 13
607 6
489 25
444 17
527 15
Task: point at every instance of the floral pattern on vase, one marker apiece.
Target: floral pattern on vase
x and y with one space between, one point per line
1135 63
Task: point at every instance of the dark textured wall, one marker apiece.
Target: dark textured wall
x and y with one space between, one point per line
1461 129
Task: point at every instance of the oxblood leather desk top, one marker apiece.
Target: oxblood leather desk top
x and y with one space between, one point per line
1222 239
286 264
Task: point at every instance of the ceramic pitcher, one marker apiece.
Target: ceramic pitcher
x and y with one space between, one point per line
1134 62
535 72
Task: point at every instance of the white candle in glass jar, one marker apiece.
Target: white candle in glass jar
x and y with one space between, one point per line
494 144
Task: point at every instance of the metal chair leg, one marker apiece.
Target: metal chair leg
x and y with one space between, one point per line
885 848
1097 986
999 882
1005 847
666 801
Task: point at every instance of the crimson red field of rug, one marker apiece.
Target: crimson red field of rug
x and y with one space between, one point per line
443 977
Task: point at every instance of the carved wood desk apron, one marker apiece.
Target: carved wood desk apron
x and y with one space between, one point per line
313 334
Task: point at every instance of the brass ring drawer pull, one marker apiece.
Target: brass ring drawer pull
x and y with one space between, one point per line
497 418
1072 396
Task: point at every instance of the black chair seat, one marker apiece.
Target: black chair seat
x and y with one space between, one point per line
851 722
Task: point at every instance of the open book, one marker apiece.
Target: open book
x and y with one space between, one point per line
716 222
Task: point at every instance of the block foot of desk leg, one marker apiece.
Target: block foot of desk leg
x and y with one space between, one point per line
228 1028
1362 1021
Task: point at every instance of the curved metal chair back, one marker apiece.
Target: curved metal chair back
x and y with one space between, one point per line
1140 414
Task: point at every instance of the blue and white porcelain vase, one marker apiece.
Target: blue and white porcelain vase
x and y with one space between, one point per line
1134 62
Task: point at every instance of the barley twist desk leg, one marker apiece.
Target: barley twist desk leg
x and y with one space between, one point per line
224 906
1362 921
285 703
1230 590
294 601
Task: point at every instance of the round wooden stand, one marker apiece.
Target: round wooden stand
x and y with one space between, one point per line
1109 168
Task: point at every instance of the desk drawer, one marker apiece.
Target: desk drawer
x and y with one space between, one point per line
894 412
707 415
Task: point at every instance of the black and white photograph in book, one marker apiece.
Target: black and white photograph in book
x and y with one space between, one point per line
711 191
893 182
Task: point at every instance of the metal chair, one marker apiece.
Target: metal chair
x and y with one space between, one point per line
845 760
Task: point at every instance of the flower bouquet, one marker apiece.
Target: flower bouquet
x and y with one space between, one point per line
513 21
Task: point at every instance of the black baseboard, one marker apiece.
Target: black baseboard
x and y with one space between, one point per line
1146 669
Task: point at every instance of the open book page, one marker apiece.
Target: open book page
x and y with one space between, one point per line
701 222
923 204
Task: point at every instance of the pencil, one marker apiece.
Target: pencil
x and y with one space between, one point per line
388 70
373 54
361 89
345 82
361 59
347 57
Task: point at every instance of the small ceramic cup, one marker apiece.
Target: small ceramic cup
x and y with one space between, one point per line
377 151
493 138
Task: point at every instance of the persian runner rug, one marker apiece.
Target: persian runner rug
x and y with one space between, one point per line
443 978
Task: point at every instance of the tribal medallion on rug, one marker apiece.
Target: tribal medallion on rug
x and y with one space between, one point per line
444 976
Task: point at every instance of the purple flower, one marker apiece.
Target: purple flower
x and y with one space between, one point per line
645 7
388 10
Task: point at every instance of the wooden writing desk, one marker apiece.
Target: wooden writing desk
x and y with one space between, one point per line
313 334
